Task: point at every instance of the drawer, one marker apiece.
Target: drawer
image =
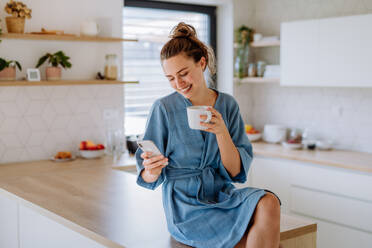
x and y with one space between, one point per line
349 212
331 235
333 180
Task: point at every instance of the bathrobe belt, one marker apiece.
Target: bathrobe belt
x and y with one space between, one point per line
206 190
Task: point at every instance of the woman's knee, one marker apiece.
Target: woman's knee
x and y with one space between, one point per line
269 205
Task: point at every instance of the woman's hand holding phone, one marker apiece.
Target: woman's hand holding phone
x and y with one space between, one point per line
153 166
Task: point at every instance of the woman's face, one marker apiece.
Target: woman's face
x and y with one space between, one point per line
184 75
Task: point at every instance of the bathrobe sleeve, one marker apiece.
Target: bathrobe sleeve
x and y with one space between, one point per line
235 125
157 131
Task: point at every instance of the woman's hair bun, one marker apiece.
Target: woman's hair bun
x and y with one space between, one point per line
183 30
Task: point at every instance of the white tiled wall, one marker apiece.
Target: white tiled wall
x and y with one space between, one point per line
37 121
341 114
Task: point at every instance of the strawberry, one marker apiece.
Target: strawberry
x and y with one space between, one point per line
100 147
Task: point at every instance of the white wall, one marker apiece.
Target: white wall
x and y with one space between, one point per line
341 114
36 121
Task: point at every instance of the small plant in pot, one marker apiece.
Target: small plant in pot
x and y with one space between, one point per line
8 69
19 11
54 72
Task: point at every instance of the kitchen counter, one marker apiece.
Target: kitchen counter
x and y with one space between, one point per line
104 204
358 161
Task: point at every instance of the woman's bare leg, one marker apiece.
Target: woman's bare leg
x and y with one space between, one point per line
242 243
265 231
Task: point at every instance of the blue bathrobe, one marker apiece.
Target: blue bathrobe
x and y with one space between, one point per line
202 207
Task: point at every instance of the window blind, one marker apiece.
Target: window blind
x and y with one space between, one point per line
141 60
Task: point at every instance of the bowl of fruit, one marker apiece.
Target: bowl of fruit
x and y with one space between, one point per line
252 133
88 149
63 156
294 141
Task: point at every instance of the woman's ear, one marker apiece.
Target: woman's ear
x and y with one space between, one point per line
203 63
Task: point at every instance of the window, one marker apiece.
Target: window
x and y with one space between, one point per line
151 22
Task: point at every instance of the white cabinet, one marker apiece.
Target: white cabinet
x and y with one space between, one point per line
8 223
338 200
271 174
36 230
327 52
299 53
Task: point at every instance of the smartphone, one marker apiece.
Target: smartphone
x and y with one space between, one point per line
149 146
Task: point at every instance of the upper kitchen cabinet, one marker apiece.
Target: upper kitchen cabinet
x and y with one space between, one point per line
333 52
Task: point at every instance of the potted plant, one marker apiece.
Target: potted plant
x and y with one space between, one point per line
54 72
8 69
19 11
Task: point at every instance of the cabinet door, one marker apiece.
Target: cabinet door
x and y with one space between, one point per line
345 59
273 175
339 200
299 56
39 231
8 223
327 52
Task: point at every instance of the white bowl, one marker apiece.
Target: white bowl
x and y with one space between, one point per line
254 136
292 145
274 133
92 153
323 145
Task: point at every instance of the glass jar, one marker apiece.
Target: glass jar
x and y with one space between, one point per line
111 67
260 68
252 70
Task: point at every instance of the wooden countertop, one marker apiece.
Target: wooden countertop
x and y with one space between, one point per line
102 203
358 161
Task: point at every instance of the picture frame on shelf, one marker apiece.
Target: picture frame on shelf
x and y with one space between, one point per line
33 74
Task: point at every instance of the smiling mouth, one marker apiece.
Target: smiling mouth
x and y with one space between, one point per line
184 90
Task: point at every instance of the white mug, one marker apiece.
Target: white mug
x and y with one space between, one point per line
89 28
193 116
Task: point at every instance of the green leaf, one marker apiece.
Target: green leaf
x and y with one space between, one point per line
2 64
18 65
68 64
42 60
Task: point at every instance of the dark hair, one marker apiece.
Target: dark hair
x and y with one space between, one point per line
184 39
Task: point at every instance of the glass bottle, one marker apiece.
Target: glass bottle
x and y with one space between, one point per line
241 61
111 67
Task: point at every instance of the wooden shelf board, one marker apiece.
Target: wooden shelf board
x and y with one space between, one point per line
63 82
258 80
265 43
62 37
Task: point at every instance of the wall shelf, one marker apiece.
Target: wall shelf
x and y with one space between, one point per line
63 82
257 80
265 43
63 37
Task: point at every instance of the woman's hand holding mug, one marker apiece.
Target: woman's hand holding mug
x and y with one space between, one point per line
216 124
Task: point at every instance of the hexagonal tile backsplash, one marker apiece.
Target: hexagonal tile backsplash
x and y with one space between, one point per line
37 121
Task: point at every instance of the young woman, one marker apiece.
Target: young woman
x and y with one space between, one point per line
202 207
